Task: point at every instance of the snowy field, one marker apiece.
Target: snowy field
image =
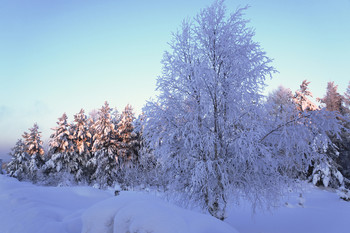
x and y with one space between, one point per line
28 208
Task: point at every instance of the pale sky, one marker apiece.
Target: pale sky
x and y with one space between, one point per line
59 56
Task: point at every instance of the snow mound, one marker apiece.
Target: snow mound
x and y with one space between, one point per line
137 212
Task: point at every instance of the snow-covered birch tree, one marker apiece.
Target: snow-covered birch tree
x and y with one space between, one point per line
205 122
208 126
280 101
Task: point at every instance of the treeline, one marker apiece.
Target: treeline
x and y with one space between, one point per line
95 150
107 148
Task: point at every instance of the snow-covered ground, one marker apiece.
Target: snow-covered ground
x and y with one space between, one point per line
28 208
35 209
318 210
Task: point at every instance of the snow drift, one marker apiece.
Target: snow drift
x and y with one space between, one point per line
27 208
138 212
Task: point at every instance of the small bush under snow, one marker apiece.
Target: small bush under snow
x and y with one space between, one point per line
327 175
344 194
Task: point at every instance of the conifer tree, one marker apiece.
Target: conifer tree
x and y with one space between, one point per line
34 149
128 144
82 143
147 169
333 100
104 163
18 167
81 134
340 156
61 137
61 149
302 100
323 169
345 158
138 130
92 118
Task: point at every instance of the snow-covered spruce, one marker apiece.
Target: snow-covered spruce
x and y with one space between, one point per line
127 138
61 151
27 156
129 171
103 163
325 173
333 100
344 194
18 167
302 100
34 148
82 144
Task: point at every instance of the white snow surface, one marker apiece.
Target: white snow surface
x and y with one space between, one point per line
141 213
319 210
28 208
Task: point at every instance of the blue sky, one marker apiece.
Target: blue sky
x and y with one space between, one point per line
60 56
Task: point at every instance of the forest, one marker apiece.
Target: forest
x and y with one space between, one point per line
210 137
